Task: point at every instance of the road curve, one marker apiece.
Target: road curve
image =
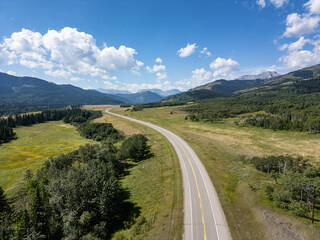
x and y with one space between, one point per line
203 215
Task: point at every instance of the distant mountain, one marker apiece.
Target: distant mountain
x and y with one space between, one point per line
139 98
161 92
214 89
292 81
301 81
113 91
38 92
264 75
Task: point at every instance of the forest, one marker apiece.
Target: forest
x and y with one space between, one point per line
294 182
76 195
285 109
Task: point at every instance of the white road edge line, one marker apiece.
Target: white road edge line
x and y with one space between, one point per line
192 154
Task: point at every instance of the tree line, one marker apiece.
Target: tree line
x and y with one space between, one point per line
284 110
76 195
294 179
71 115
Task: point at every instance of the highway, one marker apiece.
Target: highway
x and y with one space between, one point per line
203 214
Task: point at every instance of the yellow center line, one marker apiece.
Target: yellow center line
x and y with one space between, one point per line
194 174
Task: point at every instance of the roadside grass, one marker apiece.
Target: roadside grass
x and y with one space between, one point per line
34 145
223 148
155 185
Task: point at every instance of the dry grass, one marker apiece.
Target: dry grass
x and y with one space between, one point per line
221 146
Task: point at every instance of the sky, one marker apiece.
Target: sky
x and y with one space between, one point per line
164 44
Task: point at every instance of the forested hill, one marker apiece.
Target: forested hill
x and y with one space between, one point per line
293 81
36 92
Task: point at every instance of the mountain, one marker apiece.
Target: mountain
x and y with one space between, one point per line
38 92
301 81
264 75
161 92
306 80
214 89
139 98
113 91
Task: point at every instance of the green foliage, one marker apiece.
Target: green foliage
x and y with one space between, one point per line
135 147
100 131
76 195
294 182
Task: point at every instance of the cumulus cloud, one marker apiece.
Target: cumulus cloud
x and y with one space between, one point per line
159 69
67 50
298 25
299 58
313 6
58 73
156 68
298 45
261 3
205 52
224 68
187 51
199 77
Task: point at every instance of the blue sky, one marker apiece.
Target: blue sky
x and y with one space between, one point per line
165 44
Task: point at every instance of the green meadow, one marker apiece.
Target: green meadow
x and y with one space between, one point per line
32 148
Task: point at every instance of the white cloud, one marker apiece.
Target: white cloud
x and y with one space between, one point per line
12 73
205 52
298 45
313 6
199 77
76 79
68 50
261 3
156 68
161 76
298 25
58 73
224 68
302 58
279 3
110 85
159 69
187 51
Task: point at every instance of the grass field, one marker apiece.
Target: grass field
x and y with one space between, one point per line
222 146
34 145
155 185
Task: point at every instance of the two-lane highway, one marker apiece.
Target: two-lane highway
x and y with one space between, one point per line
203 215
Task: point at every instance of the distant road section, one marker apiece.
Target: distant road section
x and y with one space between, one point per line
203 215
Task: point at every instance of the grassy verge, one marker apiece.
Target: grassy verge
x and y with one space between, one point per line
222 146
34 145
155 185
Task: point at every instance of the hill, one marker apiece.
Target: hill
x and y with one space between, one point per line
161 92
215 89
139 98
38 92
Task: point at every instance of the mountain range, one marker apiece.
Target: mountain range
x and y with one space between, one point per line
38 92
268 81
264 75
142 96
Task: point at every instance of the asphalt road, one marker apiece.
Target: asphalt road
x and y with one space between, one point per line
203 215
